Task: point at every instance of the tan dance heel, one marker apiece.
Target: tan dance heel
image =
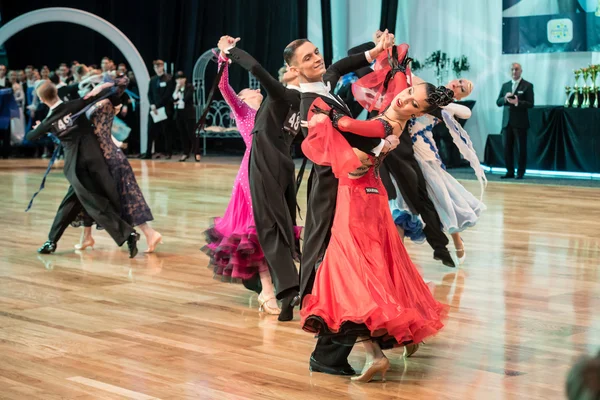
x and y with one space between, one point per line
263 306
381 366
85 245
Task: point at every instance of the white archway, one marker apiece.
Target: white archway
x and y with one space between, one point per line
103 27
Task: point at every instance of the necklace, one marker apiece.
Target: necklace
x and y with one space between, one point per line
394 120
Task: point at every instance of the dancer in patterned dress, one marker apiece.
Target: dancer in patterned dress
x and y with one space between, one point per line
134 208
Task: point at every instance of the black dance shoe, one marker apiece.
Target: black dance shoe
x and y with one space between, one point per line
508 176
520 176
287 307
132 244
315 366
47 248
253 284
444 256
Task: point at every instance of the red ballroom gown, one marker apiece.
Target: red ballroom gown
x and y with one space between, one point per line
367 284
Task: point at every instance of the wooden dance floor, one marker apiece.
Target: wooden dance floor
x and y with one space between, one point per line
97 325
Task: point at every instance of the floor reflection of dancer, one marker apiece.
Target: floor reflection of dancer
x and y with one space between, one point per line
306 62
134 208
272 180
232 242
367 286
92 189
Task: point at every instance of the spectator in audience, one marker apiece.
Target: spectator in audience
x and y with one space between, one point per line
74 65
5 129
516 97
185 116
159 94
17 125
80 72
105 64
3 79
21 77
44 72
29 76
122 69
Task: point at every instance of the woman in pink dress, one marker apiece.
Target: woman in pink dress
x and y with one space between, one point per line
232 243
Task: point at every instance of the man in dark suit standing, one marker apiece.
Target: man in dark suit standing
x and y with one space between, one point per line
185 116
159 95
305 61
516 96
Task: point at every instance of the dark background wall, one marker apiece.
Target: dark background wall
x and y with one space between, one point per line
177 31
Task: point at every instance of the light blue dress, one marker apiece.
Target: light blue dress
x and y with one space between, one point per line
457 208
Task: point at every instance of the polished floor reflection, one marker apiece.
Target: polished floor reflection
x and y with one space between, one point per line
97 325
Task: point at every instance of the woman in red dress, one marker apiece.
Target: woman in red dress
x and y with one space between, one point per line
367 286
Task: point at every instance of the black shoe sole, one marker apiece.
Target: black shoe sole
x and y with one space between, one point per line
445 262
331 371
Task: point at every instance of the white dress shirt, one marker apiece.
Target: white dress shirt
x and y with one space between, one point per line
515 85
178 95
322 90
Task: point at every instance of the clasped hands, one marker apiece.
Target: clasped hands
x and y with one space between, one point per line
510 99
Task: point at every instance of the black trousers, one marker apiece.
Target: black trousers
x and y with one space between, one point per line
274 206
68 210
408 175
510 136
5 145
320 209
161 134
189 142
109 219
332 354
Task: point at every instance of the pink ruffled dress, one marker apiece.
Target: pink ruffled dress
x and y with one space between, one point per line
232 243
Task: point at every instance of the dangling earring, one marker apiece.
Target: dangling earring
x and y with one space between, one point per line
413 116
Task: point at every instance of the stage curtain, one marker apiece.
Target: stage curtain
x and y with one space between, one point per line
177 31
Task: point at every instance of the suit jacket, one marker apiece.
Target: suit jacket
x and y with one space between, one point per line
516 115
83 156
160 91
332 76
188 98
275 108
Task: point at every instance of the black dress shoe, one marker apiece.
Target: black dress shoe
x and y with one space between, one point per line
444 256
287 307
315 366
520 176
507 176
132 244
146 156
168 157
47 248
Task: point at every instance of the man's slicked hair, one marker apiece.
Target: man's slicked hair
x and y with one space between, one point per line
290 51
